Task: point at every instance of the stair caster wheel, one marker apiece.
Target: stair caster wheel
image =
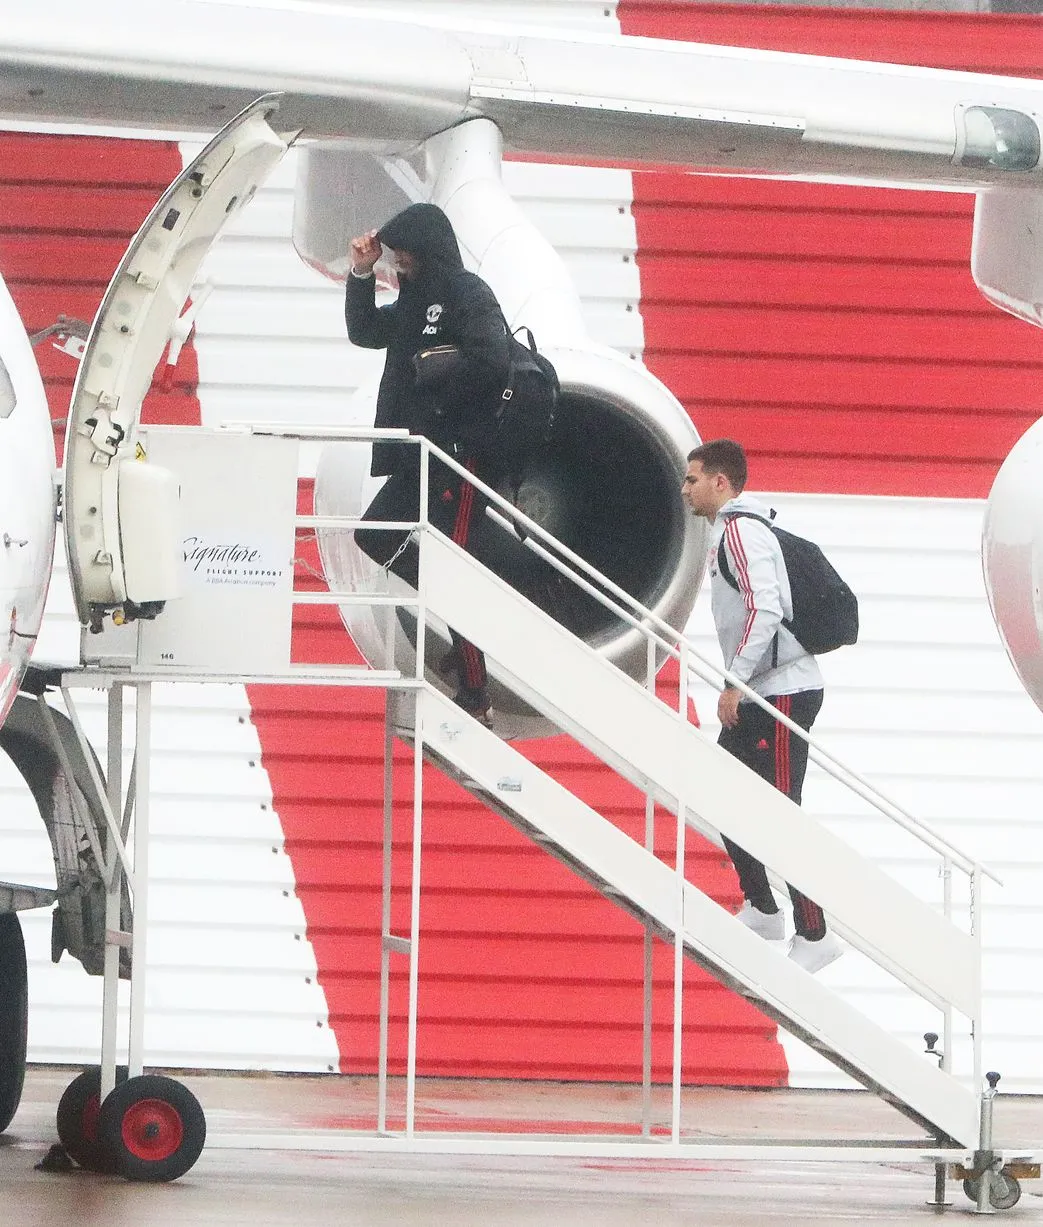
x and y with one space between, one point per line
1004 1190
78 1111
154 1128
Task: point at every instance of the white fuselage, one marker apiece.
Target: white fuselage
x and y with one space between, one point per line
27 500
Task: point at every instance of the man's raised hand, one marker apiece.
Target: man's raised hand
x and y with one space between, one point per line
365 252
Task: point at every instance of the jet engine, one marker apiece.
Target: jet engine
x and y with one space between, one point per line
610 492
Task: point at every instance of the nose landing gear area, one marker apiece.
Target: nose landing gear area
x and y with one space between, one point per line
150 1128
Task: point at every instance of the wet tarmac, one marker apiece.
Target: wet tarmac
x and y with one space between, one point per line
247 1175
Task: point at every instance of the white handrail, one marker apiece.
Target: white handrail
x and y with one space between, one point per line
825 758
641 619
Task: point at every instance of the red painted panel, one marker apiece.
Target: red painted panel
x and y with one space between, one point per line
77 210
96 162
795 232
574 1013
68 208
724 380
795 332
852 285
49 258
836 331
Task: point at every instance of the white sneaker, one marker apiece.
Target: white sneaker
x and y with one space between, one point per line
813 956
769 925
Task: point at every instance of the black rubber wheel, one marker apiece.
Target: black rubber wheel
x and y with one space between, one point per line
1004 1191
154 1126
78 1112
14 1016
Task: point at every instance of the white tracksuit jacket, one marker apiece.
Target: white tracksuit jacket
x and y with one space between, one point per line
747 621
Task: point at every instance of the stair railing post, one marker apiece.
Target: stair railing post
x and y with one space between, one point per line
385 882
946 1055
679 873
139 928
985 1159
418 790
675 1122
976 884
113 896
421 613
939 1202
646 1020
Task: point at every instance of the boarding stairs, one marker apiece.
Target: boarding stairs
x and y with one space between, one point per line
581 692
658 750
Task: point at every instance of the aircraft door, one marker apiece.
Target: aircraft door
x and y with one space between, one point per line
121 512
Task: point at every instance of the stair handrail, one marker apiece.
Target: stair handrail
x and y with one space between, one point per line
825 758
644 620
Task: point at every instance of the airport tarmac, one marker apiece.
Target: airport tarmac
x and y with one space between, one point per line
247 1176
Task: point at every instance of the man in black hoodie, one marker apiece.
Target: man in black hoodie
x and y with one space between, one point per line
439 303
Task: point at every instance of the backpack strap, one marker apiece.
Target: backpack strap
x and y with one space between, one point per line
725 570
508 390
722 559
530 342
732 582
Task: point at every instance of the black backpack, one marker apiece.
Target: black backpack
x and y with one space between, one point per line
825 610
525 415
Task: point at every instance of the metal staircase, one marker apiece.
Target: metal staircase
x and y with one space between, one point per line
658 750
583 693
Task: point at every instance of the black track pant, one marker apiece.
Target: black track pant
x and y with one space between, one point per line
453 507
781 758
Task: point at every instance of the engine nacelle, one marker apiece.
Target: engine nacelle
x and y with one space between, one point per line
1012 557
610 492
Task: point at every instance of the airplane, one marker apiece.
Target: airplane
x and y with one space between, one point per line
433 102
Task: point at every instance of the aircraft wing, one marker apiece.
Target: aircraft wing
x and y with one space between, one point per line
387 84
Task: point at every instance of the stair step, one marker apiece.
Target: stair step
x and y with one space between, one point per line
658 751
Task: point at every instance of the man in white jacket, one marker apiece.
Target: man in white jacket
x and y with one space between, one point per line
750 598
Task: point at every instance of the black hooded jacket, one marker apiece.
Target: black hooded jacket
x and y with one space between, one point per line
442 304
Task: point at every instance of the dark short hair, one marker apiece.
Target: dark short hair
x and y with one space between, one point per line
722 456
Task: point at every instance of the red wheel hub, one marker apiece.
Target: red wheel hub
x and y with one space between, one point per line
152 1129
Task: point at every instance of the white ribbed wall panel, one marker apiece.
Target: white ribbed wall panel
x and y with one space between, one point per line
231 975
927 707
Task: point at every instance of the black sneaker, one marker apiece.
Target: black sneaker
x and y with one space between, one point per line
475 701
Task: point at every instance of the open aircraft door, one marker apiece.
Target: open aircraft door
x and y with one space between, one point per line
120 511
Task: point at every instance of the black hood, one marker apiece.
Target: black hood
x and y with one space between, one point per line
425 232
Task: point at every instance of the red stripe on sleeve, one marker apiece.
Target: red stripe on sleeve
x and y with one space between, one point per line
731 531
